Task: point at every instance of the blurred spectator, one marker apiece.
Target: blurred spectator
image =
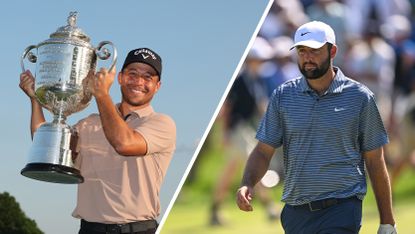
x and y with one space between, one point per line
407 141
397 30
281 67
334 14
239 115
371 61
284 17
377 10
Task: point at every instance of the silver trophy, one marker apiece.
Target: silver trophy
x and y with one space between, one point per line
62 64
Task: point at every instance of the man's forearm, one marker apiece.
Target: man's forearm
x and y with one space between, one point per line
37 117
378 174
382 190
124 139
111 120
255 168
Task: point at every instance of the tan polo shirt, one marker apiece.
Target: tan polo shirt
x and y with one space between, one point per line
121 189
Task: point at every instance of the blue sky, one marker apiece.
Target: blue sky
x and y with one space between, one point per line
201 43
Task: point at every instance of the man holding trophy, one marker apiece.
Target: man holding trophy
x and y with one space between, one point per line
122 152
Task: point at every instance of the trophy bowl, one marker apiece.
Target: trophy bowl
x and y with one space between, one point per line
62 65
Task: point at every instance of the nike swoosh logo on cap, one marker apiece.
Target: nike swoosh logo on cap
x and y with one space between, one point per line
302 34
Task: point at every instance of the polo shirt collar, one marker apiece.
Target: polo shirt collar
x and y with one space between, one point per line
146 111
336 85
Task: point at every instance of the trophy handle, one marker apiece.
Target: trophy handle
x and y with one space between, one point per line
30 56
105 53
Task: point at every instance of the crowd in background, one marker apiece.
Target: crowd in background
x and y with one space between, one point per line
376 46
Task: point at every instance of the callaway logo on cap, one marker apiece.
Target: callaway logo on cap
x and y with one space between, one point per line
144 55
314 35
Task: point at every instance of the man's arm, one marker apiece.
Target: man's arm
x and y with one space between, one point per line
27 84
256 166
376 168
125 140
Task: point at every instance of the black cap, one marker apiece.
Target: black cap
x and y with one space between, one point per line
144 55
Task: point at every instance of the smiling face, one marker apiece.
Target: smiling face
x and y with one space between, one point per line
314 63
139 82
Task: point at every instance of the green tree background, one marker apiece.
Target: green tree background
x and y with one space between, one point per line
12 219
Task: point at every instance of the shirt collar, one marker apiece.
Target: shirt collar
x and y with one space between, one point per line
336 85
146 111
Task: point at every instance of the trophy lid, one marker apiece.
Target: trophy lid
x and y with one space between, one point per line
70 30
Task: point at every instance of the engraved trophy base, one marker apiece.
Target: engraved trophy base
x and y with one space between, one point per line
50 157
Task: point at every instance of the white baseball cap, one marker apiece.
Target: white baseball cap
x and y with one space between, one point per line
314 34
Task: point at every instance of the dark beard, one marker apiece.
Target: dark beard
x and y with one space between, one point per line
316 73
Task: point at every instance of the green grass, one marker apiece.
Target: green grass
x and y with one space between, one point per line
190 214
193 218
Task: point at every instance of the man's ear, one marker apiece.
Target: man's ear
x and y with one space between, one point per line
333 51
119 77
158 85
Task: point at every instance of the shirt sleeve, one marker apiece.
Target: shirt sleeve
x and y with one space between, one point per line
159 133
270 128
372 133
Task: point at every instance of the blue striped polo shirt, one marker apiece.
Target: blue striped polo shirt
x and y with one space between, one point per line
323 137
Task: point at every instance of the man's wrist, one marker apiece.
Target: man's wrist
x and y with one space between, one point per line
102 96
246 184
35 102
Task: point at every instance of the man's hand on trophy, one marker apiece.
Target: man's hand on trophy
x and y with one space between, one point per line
27 84
99 84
